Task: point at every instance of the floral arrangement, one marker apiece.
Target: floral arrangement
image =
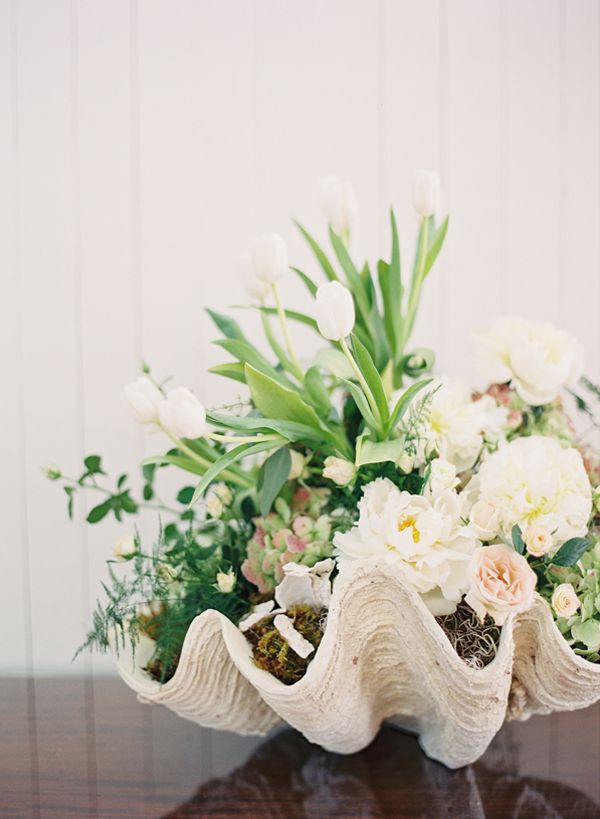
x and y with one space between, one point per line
483 501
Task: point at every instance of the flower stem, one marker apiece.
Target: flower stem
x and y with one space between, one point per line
203 462
285 328
417 283
239 439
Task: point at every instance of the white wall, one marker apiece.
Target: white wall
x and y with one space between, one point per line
143 144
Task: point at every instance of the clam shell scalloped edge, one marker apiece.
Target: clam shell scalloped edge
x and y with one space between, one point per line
383 657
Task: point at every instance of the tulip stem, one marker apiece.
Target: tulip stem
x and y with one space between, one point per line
203 462
285 328
361 379
239 439
417 282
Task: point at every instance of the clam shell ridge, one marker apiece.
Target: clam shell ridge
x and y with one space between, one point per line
383 656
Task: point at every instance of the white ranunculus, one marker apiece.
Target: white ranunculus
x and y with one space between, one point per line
256 288
426 192
338 203
565 601
536 481
339 470
142 398
537 358
334 307
423 536
304 586
125 548
455 427
182 414
269 257
226 582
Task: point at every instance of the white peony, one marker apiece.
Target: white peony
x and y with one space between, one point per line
537 358
535 481
423 536
456 427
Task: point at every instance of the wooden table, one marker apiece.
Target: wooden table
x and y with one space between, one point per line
88 748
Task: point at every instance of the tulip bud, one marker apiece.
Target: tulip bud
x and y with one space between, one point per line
339 470
52 472
142 398
223 492
182 415
269 258
226 582
406 463
338 203
298 464
256 288
125 548
214 506
334 308
426 192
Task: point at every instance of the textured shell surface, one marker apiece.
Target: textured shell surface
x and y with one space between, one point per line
383 657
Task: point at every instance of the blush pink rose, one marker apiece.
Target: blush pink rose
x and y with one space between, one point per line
501 583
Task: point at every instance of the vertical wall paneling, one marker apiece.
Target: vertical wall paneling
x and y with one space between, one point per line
147 143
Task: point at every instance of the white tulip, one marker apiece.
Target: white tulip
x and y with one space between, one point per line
426 192
339 470
226 582
142 398
269 258
125 548
338 203
256 288
334 307
182 415
565 601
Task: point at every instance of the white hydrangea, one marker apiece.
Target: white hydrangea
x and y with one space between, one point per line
536 481
456 427
424 536
537 358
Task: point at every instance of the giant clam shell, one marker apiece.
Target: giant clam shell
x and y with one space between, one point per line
383 657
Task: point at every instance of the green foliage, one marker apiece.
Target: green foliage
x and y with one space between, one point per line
517 539
273 476
570 552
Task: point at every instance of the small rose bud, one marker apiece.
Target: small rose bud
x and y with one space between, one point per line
226 581
125 548
538 540
565 601
406 463
52 472
426 192
214 505
338 203
431 451
142 398
334 308
182 414
298 464
339 470
269 258
485 520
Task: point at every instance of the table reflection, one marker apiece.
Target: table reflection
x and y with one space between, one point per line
288 777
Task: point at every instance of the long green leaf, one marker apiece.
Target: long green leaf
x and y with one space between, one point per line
177 460
372 377
570 552
353 278
308 282
231 369
276 401
362 404
371 452
319 253
275 473
291 430
436 245
404 402
294 315
231 457
316 392
228 326
247 354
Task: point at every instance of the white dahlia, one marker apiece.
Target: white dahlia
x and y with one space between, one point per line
537 358
536 481
424 536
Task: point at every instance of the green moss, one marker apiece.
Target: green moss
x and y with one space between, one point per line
273 654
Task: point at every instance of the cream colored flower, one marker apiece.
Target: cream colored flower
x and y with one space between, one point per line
125 548
297 466
442 476
565 601
536 481
423 536
182 415
537 358
339 470
485 520
501 583
538 540
226 581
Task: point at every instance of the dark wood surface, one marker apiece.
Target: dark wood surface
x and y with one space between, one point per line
88 748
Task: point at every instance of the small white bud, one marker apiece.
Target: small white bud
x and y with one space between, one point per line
125 548
226 582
